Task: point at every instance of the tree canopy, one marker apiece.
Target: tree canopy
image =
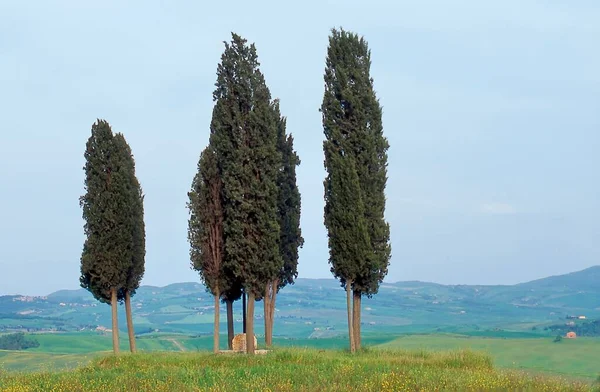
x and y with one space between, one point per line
107 256
288 204
206 224
244 137
356 163
135 206
355 142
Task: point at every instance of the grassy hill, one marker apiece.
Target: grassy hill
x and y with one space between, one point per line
315 308
290 370
577 357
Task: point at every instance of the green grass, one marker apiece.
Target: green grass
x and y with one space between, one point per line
73 343
570 358
578 357
289 370
26 361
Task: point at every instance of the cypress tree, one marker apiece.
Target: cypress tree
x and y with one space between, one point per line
345 221
244 136
107 252
205 231
352 123
138 234
290 235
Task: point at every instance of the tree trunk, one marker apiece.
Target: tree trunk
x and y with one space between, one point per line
267 311
244 311
130 329
270 296
250 325
272 313
115 321
230 330
350 319
356 319
216 323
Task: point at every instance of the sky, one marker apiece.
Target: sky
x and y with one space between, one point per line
491 109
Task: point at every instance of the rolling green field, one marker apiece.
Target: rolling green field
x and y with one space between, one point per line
578 357
290 370
315 308
570 358
69 350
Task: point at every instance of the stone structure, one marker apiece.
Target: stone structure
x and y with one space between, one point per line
239 343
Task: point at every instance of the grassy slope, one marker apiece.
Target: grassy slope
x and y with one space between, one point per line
36 361
288 370
569 358
577 357
69 350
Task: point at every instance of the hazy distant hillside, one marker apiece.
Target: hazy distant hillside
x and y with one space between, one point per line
316 307
586 280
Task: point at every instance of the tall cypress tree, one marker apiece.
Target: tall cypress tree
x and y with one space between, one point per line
244 136
107 252
352 124
138 234
205 231
345 221
290 235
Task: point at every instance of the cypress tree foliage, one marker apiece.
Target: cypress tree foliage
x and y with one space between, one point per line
205 231
290 235
138 233
354 131
345 221
244 137
107 252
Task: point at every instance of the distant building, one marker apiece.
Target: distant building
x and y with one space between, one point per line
581 317
571 335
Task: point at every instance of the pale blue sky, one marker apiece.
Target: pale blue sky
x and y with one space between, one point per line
492 110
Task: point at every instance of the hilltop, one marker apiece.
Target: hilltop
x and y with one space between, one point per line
291 370
314 308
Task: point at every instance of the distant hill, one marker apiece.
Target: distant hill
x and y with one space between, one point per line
316 307
586 279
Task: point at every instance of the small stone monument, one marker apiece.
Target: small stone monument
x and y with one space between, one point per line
239 343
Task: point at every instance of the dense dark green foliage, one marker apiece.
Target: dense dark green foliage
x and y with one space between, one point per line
205 230
558 339
356 163
344 215
244 137
107 252
136 215
114 248
17 341
288 204
588 328
233 288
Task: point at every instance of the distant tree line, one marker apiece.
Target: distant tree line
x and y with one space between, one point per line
17 341
588 328
244 202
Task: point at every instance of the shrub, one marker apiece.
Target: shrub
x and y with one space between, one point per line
17 341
